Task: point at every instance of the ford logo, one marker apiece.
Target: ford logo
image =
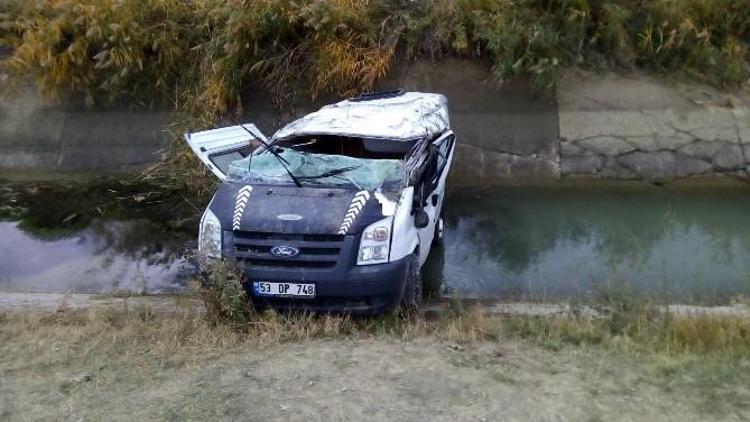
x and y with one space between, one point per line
289 217
284 251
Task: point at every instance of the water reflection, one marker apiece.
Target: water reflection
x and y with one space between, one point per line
107 256
510 243
564 242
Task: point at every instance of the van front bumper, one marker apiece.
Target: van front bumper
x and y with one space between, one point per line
360 289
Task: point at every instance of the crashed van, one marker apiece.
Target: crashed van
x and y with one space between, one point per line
337 211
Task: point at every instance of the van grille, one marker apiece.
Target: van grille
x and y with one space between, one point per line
289 236
315 250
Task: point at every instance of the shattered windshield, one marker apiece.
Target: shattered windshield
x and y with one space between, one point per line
312 169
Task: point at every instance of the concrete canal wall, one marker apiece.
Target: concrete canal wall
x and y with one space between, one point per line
36 136
638 127
602 126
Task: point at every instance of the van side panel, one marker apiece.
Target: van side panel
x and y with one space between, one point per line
404 236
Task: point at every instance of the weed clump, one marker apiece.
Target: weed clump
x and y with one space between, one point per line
224 294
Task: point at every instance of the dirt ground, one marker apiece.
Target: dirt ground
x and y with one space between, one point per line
373 379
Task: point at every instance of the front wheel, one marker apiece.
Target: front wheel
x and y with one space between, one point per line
413 292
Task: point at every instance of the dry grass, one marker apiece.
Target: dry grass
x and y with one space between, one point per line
658 335
626 323
145 355
179 365
186 334
201 56
198 55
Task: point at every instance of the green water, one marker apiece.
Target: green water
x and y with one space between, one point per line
525 243
560 243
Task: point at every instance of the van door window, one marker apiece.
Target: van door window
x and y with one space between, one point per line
443 146
217 148
439 152
222 160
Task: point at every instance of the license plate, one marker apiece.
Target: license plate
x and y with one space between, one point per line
267 288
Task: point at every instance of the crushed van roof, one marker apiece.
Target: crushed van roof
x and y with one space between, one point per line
404 117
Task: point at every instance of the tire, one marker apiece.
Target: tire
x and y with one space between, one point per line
412 298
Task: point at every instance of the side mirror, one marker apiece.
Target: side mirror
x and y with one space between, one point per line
421 219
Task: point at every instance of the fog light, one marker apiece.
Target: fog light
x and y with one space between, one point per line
373 253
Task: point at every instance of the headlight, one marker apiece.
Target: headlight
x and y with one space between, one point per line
376 243
209 236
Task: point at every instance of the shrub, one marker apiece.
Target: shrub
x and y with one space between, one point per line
203 55
104 49
224 294
9 10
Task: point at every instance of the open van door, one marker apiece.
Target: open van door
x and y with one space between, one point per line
217 148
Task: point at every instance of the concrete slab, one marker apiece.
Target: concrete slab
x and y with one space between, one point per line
643 127
606 145
482 167
609 126
112 139
38 136
663 164
585 91
29 133
724 155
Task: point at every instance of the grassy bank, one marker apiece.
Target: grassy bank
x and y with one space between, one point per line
618 319
177 322
85 364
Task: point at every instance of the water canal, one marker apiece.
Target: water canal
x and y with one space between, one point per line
510 243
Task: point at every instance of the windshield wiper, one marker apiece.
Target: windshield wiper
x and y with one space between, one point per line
273 152
330 173
304 144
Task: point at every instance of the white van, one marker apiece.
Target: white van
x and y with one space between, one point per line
338 210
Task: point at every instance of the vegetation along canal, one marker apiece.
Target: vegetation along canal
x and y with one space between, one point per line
511 243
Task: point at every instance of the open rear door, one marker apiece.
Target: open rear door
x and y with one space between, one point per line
217 148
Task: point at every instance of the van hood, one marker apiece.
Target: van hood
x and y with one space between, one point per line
305 210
